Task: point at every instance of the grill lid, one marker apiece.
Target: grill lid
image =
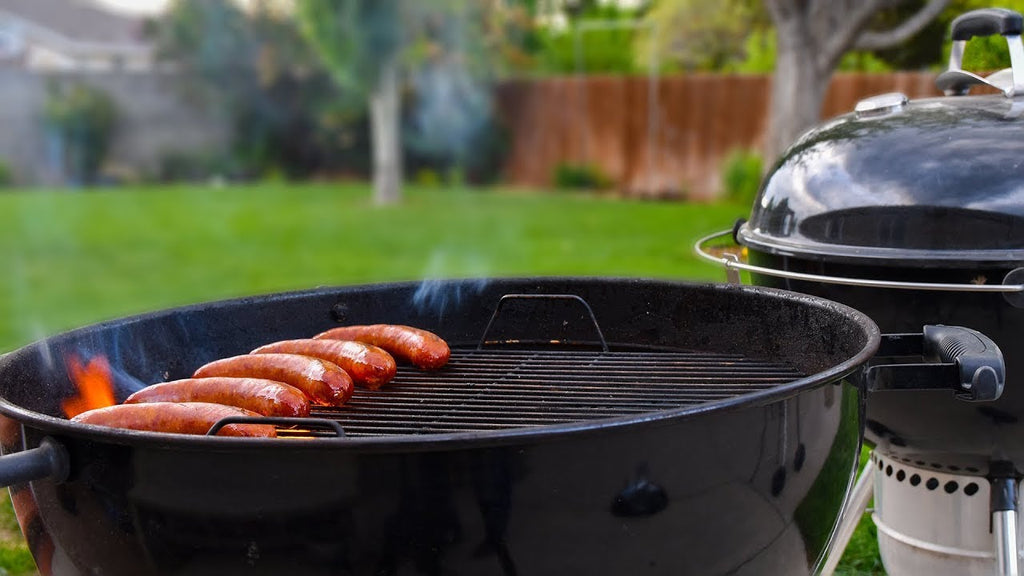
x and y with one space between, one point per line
936 181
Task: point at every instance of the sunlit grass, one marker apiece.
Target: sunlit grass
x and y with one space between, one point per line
75 258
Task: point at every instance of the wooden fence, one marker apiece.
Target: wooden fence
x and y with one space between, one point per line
669 141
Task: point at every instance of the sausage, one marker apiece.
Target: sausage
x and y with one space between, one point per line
258 395
322 381
367 364
176 418
421 348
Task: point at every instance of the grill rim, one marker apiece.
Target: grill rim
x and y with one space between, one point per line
449 441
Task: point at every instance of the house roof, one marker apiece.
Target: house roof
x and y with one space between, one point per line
79 21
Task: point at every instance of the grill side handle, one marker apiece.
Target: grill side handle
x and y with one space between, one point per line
952 357
48 460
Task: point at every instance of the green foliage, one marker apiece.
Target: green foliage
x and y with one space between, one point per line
257 71
700 34
741 176
929 48
758 56
590 42
15 559
581 177
861 61
83 119
759 49
352 37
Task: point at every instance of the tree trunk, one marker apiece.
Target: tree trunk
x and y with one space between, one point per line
798 89
385 123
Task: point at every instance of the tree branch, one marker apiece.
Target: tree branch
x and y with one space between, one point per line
870 40
843 37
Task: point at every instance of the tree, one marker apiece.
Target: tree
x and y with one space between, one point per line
361 41
812 37
705 35
251 68
369 44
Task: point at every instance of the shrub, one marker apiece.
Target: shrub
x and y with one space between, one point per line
6 175
427 178
741 176
82 118
581 176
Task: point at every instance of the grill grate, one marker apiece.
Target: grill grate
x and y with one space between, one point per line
481 390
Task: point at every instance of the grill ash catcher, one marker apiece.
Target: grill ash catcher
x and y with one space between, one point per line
913 213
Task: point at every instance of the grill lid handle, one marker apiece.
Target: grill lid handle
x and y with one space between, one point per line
985 22
955 358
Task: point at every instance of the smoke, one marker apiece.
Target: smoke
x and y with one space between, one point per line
437 296
451 110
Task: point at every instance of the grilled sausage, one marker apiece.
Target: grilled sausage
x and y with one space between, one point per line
258 395
177 418
421 348
367 364
322 381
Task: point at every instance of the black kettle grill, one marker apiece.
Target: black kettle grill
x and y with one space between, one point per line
913 211
582 426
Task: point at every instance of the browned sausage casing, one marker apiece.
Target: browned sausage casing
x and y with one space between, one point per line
323 381
367 364
421 348
259 395
177 418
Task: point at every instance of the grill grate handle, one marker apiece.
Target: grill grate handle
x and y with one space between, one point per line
324 423
545 297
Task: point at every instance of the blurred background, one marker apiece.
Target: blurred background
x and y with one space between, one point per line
155 153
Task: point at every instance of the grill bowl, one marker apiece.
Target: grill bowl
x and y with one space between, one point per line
743 482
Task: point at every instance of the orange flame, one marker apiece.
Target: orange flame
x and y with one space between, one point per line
94 383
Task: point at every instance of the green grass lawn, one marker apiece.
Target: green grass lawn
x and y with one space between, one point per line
73 258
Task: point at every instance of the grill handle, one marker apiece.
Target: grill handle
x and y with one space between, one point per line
1012 287
955 358
956 81
323 423
566 297
986 22
48 460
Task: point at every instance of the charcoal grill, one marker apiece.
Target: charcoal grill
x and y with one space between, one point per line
610 426
599 426
912 212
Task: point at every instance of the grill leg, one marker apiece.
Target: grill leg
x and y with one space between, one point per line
852 513
1004 524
